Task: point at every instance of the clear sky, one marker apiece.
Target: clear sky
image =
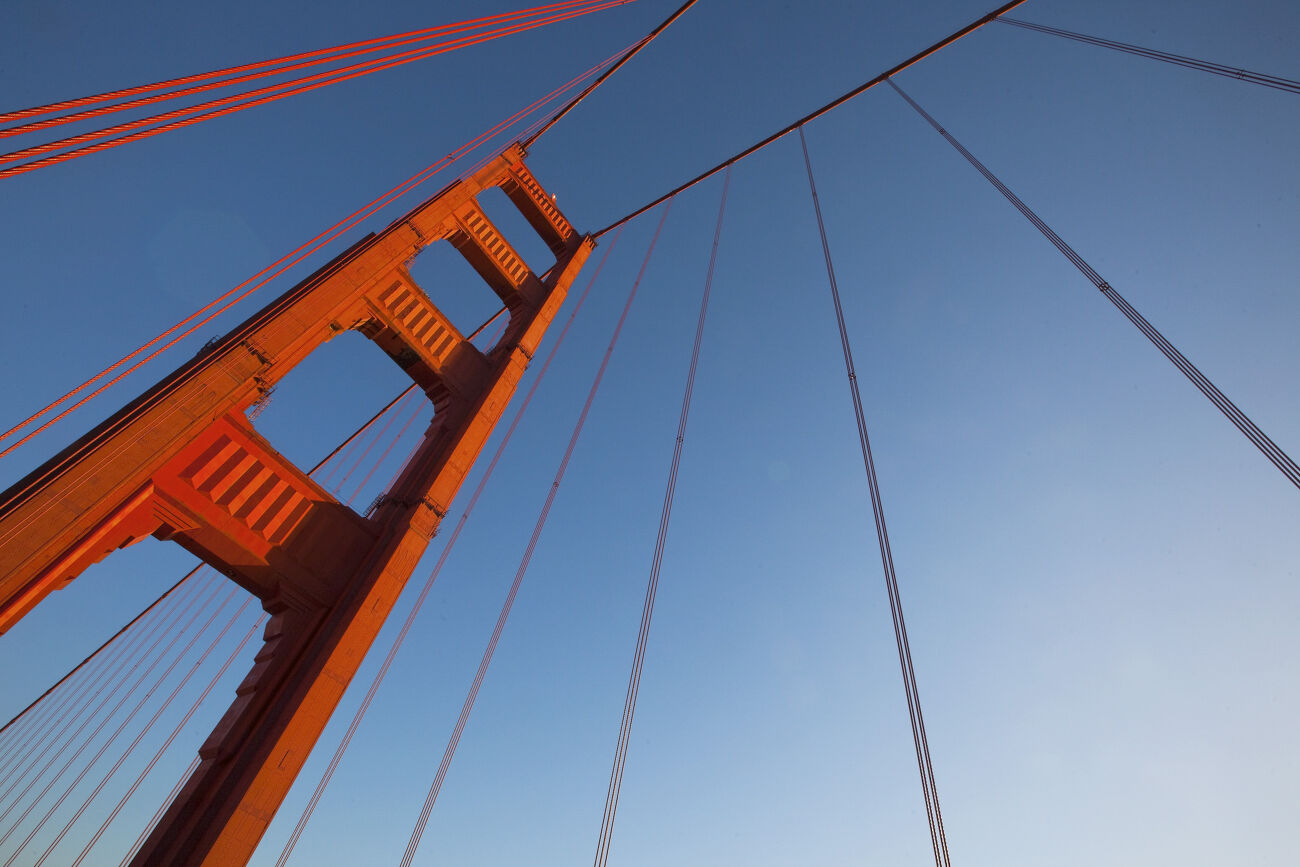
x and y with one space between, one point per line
1099 572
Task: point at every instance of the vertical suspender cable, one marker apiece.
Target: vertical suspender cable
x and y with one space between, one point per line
158 754
366 451
121 726
162 808
129 663
605 838
937 837
145 729
37 728
1252 432
43 737
414 843
116 635
419 410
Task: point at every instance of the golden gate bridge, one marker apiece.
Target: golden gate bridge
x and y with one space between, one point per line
185 462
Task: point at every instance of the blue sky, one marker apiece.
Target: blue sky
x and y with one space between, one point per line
1099 572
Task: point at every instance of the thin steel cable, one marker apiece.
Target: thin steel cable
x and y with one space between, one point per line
67 708
605 838
158 754
1274 81
162 808
176 119
414 843
248 72
366 451
47 729
145 729
132 657
242 290
351 440
925 766
62 713
360 713
420 406
130 715
40 718
130 660
649 37
830 106
1239 419
114 637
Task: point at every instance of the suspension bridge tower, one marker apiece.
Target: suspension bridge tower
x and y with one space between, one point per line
182 462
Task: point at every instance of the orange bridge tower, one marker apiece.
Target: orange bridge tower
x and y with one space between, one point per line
182 462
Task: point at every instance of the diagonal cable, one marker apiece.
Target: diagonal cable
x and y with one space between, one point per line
1239 419
1274 81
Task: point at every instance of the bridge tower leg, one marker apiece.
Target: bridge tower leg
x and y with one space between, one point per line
182 462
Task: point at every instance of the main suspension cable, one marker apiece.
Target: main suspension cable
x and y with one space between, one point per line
204 81
414 843
360 713
1239 419
650 37
929 789
1273 81
605 838
176 119
833 104
377 43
